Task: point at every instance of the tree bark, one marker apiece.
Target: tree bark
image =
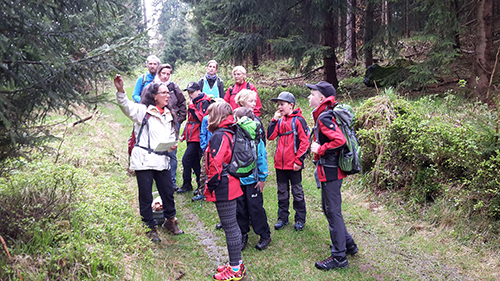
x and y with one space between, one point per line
482 65
368 34
144 13
350 50
330 33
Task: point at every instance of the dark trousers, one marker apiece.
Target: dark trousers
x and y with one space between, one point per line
331 201
165 188
251 207
191 161
227 216
286 179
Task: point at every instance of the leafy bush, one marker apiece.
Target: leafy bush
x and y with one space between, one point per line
430 149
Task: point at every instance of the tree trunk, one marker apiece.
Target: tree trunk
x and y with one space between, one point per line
482 67
407 18
368 34
329 60
350 50
144 12
342 27
457 34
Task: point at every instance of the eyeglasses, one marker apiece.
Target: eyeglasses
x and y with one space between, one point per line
163 93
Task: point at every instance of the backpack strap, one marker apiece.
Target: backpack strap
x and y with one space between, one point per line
143 80
231 88
145 121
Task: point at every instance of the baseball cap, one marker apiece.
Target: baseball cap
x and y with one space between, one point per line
192 87
285 96
324 87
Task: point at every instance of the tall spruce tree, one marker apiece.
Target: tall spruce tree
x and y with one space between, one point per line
53 53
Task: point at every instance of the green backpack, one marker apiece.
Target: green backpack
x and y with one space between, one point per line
350 156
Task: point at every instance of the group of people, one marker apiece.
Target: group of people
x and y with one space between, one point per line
159 108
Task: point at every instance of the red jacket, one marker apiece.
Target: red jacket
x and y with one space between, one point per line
285 155
220 185
331 140
196 111
233 90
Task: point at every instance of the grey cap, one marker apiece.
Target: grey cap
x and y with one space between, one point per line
285 96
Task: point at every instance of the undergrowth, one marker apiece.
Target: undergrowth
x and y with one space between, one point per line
437 157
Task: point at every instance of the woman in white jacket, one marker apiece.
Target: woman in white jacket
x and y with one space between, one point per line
153 125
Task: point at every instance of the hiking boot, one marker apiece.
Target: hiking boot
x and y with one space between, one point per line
332 263
170 225
176 187
299 226
218 226
153 234
198 197
244 241
184 189
227 273
351 249
263 243
280 224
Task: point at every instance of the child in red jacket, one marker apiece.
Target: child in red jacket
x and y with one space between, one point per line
222 188
198 104
290 127
328 142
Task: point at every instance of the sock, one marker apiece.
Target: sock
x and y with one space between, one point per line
237 268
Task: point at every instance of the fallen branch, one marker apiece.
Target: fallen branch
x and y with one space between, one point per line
492 74
181 272
302 76
5 247
84 119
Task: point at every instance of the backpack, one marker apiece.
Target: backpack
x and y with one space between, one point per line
295 133
350 157
244 150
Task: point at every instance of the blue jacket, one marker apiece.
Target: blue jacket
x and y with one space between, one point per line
205 134
136 96
262 169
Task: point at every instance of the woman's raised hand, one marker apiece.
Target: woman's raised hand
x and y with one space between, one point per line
119 83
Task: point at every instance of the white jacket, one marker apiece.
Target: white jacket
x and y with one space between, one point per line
160 130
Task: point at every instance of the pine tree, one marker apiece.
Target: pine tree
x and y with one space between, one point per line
53 53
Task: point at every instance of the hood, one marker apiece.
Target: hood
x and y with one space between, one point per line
226 123
296 112
329 102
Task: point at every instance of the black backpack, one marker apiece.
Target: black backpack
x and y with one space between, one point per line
246 137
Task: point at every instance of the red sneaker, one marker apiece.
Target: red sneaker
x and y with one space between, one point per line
228 274
221 268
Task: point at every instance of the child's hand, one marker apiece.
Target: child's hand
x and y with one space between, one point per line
314 147
277 115
174 147
260 185
296 167
189 101
181 138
